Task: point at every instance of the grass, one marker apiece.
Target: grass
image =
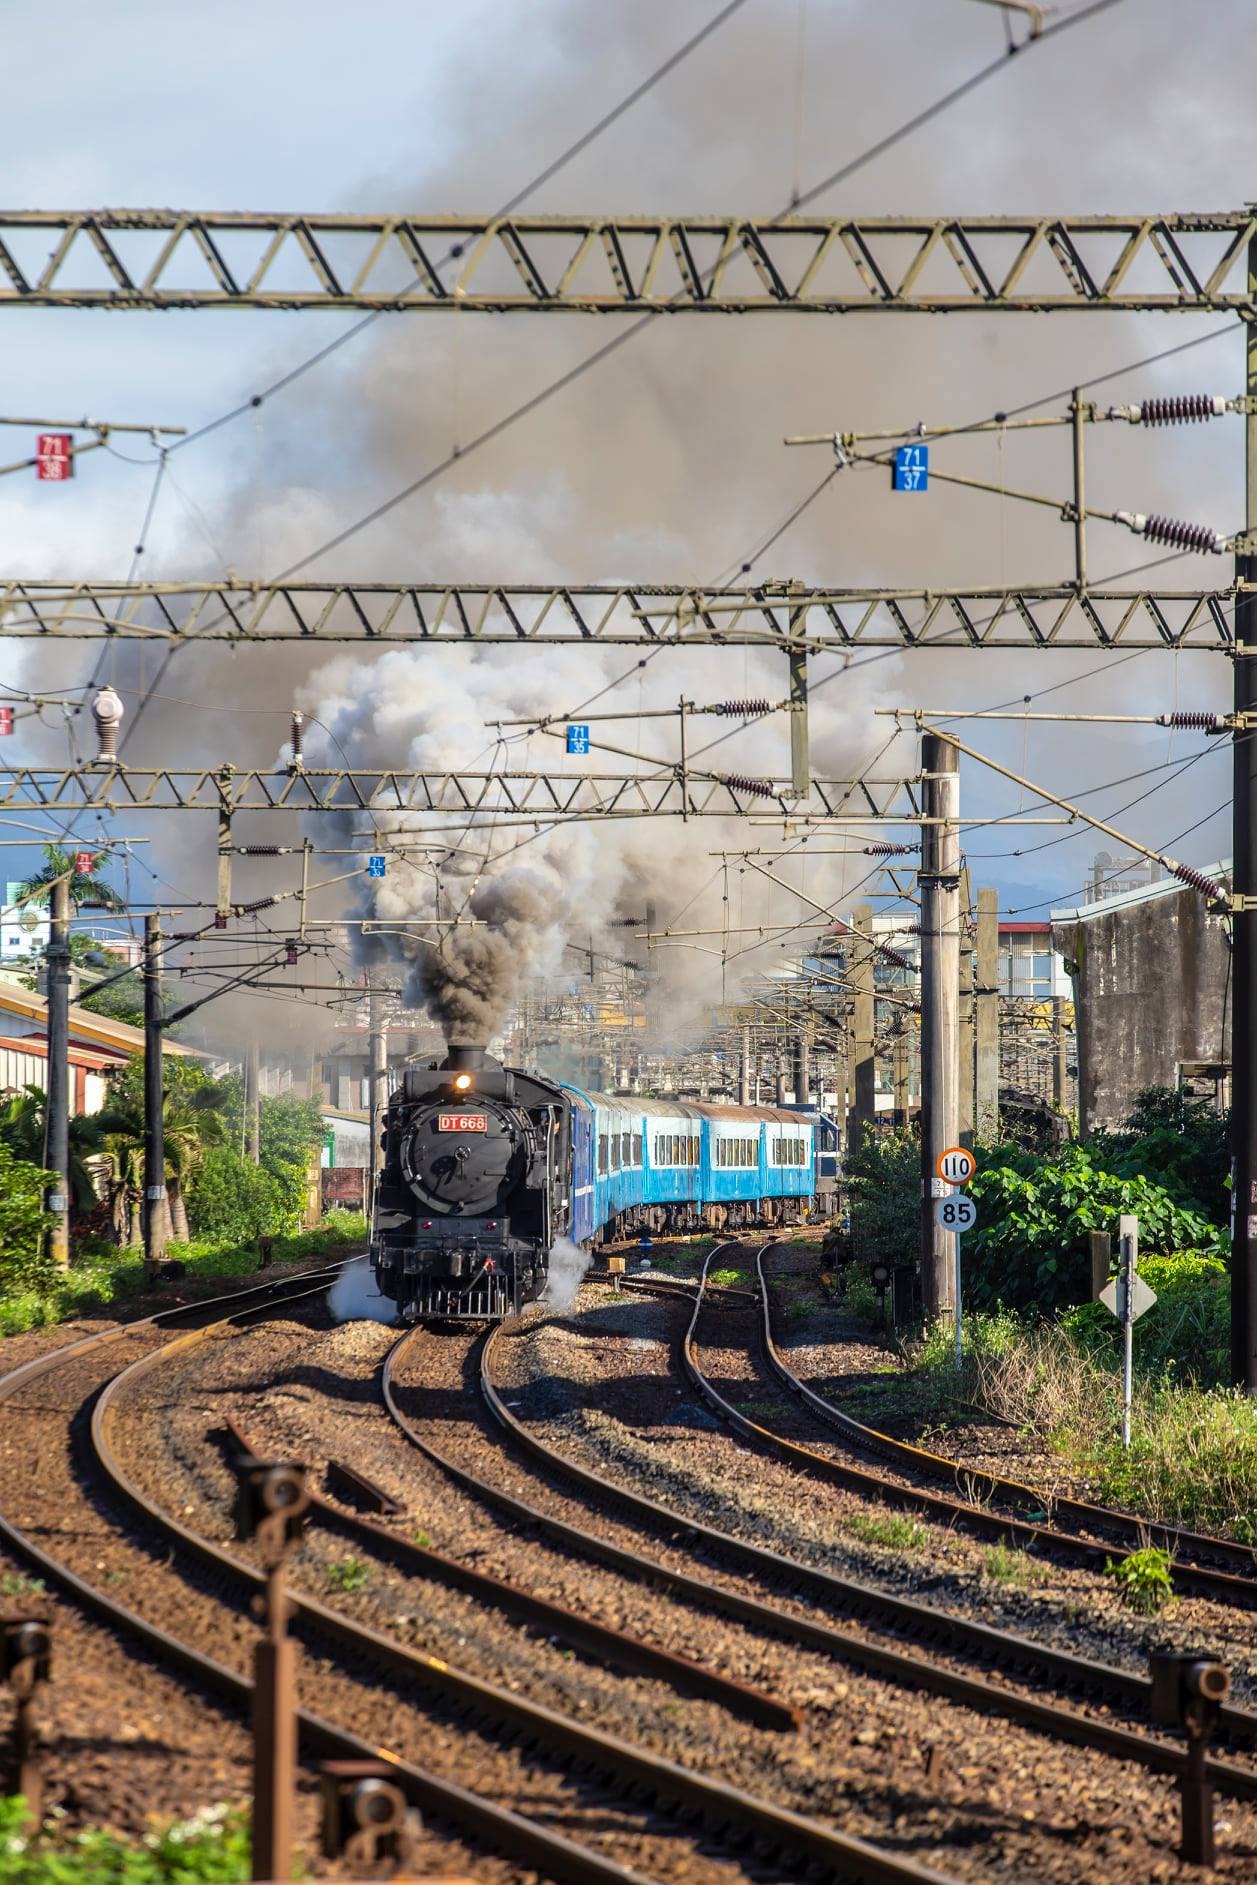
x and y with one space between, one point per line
1193 1452
18 1584
103 1276
209 1848
1006 1566
423 1541
349 1575
890 1529
736 1276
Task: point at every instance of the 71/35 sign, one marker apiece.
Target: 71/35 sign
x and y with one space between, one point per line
912 468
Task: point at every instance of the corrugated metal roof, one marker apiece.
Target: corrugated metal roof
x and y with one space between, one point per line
1146 893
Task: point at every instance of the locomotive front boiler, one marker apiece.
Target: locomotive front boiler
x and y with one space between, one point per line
473 1189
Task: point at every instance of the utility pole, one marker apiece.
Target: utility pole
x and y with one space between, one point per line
803 1067
1244 919
939 878
864 1097
986 1018
253 1101
154 1120
57 1096
903 1103
744 1078
968 1038
377 1066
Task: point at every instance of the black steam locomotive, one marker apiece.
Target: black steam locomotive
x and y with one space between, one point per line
473 1190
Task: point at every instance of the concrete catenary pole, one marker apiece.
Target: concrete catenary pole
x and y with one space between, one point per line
744 1078
1244 921
968 1043
864 1082
986 1018
377 1071
803 1068
940 1006
57 1096
154 1214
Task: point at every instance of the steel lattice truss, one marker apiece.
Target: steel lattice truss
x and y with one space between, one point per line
500 795
770 616
156 258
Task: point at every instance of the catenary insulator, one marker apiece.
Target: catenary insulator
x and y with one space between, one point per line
1172 531
1194 721
298 726
263 850
1197 880
742 709
759 788
107 712
886 849
1184 409
259 903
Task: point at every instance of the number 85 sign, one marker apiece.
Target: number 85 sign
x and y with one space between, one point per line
957 1213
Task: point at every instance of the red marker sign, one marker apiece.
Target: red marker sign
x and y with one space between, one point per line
83 861
6 721
53 457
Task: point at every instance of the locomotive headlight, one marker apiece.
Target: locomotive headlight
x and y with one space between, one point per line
462 1081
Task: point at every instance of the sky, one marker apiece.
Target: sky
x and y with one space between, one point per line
666 463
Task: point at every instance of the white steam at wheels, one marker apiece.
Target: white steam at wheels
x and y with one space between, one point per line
354 1297
568 1264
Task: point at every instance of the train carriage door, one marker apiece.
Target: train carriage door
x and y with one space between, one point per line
582 1175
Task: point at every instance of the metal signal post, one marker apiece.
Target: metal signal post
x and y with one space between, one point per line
154 1117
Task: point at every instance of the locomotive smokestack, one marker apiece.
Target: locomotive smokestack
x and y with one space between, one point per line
461 1059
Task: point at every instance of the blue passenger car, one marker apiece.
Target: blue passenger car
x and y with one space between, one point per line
649 1166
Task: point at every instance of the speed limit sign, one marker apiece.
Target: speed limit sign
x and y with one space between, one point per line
956 1165
957 1213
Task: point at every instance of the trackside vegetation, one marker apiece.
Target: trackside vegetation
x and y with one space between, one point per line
1040 1353
210 1848
221 1205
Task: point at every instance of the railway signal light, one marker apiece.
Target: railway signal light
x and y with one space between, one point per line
365 1815
271 1501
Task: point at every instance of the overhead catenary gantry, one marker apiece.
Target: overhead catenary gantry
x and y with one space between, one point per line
815 618
530 796
167 258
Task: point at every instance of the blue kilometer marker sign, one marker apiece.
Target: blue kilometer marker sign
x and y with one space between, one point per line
376 864
912 468
577 739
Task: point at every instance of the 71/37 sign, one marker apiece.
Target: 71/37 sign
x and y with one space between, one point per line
912 468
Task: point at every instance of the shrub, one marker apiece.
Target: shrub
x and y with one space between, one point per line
1186 1336
349 1574
1144 1579
24 1260
230 1197
884 1185
1030 1248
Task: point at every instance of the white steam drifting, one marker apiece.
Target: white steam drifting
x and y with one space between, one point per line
353 1297
568 1265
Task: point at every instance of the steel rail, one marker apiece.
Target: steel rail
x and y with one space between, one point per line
497 1827
613 1647
669 1785
1025 1534
912 1618
1128 1527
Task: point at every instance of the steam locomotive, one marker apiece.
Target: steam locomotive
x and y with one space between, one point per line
485 1166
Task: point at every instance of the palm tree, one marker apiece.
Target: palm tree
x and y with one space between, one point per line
186 1130
87 888
22 1129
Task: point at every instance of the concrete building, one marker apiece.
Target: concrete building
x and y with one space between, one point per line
1151 974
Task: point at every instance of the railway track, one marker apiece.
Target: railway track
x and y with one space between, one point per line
1210 1566
574 1768
969 1513
913 1624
